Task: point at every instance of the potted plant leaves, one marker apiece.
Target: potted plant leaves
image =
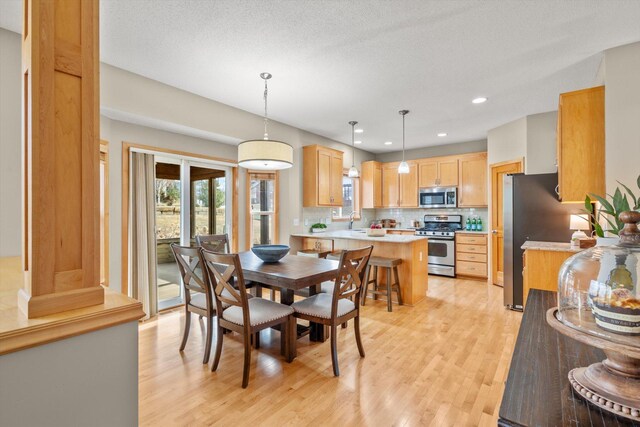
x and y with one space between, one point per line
318 228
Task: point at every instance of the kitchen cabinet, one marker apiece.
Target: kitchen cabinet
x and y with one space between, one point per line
399 190
540 270
438 172
322 171
371 185
472 188
471 255
580 144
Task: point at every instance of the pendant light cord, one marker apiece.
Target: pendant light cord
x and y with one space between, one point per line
266 119
353 124
403 137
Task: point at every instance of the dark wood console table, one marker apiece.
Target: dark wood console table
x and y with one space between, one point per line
538 392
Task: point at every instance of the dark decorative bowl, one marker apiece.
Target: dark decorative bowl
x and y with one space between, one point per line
270 253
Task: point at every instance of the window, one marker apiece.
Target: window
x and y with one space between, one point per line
350 199
262 212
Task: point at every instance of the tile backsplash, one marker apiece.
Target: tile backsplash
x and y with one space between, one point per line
403 216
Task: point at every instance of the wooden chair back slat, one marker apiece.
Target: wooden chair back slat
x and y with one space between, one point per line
214 242
350 276
220 269
188 260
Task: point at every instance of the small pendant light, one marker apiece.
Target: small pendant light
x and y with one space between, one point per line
265 153
353 171
404 166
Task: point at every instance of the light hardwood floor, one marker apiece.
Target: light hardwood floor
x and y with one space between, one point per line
442 362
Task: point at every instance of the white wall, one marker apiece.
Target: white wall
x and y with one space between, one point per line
622 112
87 380
541 152
507 142
10 151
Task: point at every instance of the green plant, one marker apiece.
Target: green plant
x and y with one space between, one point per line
318 226
611 210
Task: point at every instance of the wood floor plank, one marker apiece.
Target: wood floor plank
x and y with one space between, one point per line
442 362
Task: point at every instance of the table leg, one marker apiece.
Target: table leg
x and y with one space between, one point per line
318 332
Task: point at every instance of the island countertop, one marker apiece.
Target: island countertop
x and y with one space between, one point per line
361 235
550 246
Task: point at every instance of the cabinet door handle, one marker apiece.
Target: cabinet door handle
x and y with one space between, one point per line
494 231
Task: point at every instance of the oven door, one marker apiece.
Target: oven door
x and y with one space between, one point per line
441 251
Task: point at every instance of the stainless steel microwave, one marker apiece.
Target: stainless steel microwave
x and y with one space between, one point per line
438 197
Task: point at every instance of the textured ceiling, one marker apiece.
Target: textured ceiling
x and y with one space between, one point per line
335 61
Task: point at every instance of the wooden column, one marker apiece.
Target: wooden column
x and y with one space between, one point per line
60 64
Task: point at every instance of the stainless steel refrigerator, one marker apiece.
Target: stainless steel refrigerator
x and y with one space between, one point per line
531 212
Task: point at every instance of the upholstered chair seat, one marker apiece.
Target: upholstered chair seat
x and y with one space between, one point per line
320 306
260 311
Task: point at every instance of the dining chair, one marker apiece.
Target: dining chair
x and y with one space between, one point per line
343 304
214 242
246 316
198 297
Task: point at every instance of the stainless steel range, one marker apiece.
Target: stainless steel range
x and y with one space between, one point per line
441 231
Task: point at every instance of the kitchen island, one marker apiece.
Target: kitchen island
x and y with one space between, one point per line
413 251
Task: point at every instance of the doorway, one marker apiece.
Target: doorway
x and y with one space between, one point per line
498 171
192 199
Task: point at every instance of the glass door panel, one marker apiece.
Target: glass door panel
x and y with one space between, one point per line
262 196
168 231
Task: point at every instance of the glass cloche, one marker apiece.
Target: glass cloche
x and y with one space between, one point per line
599 288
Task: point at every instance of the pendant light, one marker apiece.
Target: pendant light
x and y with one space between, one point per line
265 154
404 166
353 171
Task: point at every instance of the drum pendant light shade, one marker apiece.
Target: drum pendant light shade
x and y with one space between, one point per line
261 154
265 154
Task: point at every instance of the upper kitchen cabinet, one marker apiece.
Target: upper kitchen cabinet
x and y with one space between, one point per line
322 169
581 144
472 189
399 190
371 185
438 172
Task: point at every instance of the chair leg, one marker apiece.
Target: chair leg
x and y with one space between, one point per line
256 340
187 327
247 359
366 284
207 346
216 357
334 350
356 327
375 282
395 270
389 289
272 294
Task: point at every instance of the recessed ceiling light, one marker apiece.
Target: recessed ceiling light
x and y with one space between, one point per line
478 100
357 142
441 134
388 143
359 130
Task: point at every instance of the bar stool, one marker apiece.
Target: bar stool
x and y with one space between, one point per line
391 264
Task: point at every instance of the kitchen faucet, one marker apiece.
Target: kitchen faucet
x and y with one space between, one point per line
351 216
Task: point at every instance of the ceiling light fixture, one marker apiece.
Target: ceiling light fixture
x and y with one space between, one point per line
479 100
353 171
441 134
357 142
403 167
388 143
359 130
265 154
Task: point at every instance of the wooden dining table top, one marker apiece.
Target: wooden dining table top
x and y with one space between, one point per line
291 272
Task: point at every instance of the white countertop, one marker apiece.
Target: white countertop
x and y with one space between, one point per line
359 235
550 246
472 232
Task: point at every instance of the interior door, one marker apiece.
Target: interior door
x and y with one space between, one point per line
498 171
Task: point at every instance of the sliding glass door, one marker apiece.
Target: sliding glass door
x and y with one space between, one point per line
192 198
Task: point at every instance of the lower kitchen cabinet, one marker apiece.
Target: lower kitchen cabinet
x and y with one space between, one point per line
471 255
541 269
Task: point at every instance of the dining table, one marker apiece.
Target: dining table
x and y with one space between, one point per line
292 273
